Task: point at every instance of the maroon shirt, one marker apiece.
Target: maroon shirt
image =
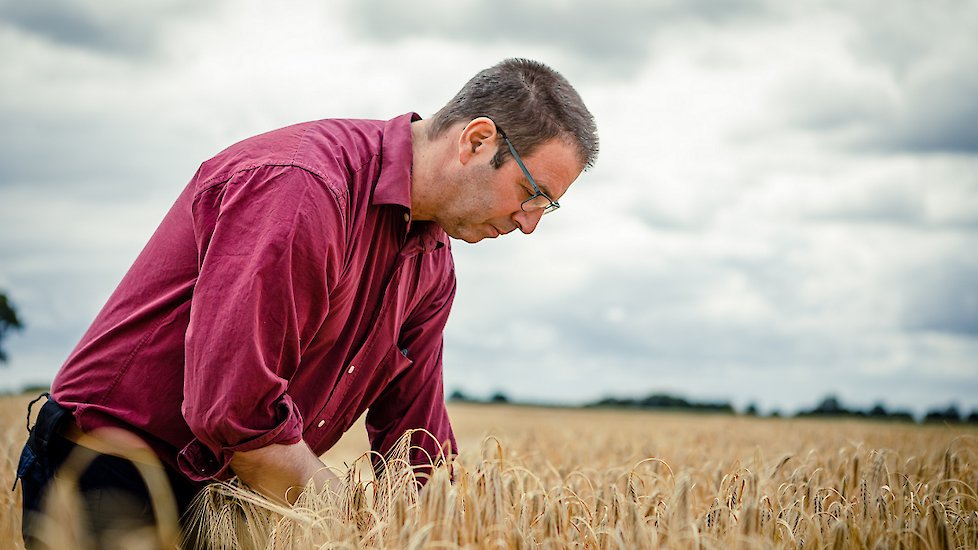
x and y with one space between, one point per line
284 293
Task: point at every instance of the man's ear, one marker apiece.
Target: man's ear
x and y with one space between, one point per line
477 140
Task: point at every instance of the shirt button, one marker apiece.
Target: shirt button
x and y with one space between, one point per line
320 425
350 370
407 217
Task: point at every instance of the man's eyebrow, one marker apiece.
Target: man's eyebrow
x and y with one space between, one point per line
541 186
544 190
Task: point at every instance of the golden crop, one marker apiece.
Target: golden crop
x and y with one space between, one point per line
565 478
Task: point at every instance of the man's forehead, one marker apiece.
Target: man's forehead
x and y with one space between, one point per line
554 166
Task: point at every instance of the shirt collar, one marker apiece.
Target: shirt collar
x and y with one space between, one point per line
394 183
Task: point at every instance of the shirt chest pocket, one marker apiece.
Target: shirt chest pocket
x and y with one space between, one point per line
395 362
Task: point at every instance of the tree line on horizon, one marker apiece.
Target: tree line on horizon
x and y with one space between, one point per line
830 407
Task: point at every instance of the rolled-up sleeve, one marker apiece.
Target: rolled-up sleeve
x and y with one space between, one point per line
267 241
415 399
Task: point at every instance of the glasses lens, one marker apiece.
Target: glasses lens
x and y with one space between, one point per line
533 204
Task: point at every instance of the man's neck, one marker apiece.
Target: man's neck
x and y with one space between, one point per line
425 162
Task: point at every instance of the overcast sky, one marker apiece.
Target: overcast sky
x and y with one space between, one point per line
785 204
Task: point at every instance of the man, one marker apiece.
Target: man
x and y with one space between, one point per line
303 277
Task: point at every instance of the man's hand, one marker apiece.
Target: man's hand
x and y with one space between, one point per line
280 472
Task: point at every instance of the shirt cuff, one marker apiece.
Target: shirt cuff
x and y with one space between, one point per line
199 463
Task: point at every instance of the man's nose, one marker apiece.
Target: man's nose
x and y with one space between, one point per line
528 220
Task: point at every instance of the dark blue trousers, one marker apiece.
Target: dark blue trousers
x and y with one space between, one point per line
112 489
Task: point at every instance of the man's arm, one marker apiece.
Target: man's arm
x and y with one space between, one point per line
269 242
280 472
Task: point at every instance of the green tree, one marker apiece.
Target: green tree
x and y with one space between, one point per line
8 320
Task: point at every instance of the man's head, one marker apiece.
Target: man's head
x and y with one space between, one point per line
465 176
531 102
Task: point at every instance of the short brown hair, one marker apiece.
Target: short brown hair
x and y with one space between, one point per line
531 102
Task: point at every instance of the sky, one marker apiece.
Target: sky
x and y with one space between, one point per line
785 205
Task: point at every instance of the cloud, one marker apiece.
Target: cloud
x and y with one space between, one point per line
891 79
104 26
67 151
943 297
905 35
884 201
940 116
934 113
673 217
613 37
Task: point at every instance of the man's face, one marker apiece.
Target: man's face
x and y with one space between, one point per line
486 202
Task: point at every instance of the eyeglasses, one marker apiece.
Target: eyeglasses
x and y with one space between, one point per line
539 199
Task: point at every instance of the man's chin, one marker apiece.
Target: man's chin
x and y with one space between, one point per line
470 240
472 237
466 236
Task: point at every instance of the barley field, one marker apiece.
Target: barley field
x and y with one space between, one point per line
549 478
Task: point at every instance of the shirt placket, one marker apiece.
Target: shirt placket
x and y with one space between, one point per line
339 410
